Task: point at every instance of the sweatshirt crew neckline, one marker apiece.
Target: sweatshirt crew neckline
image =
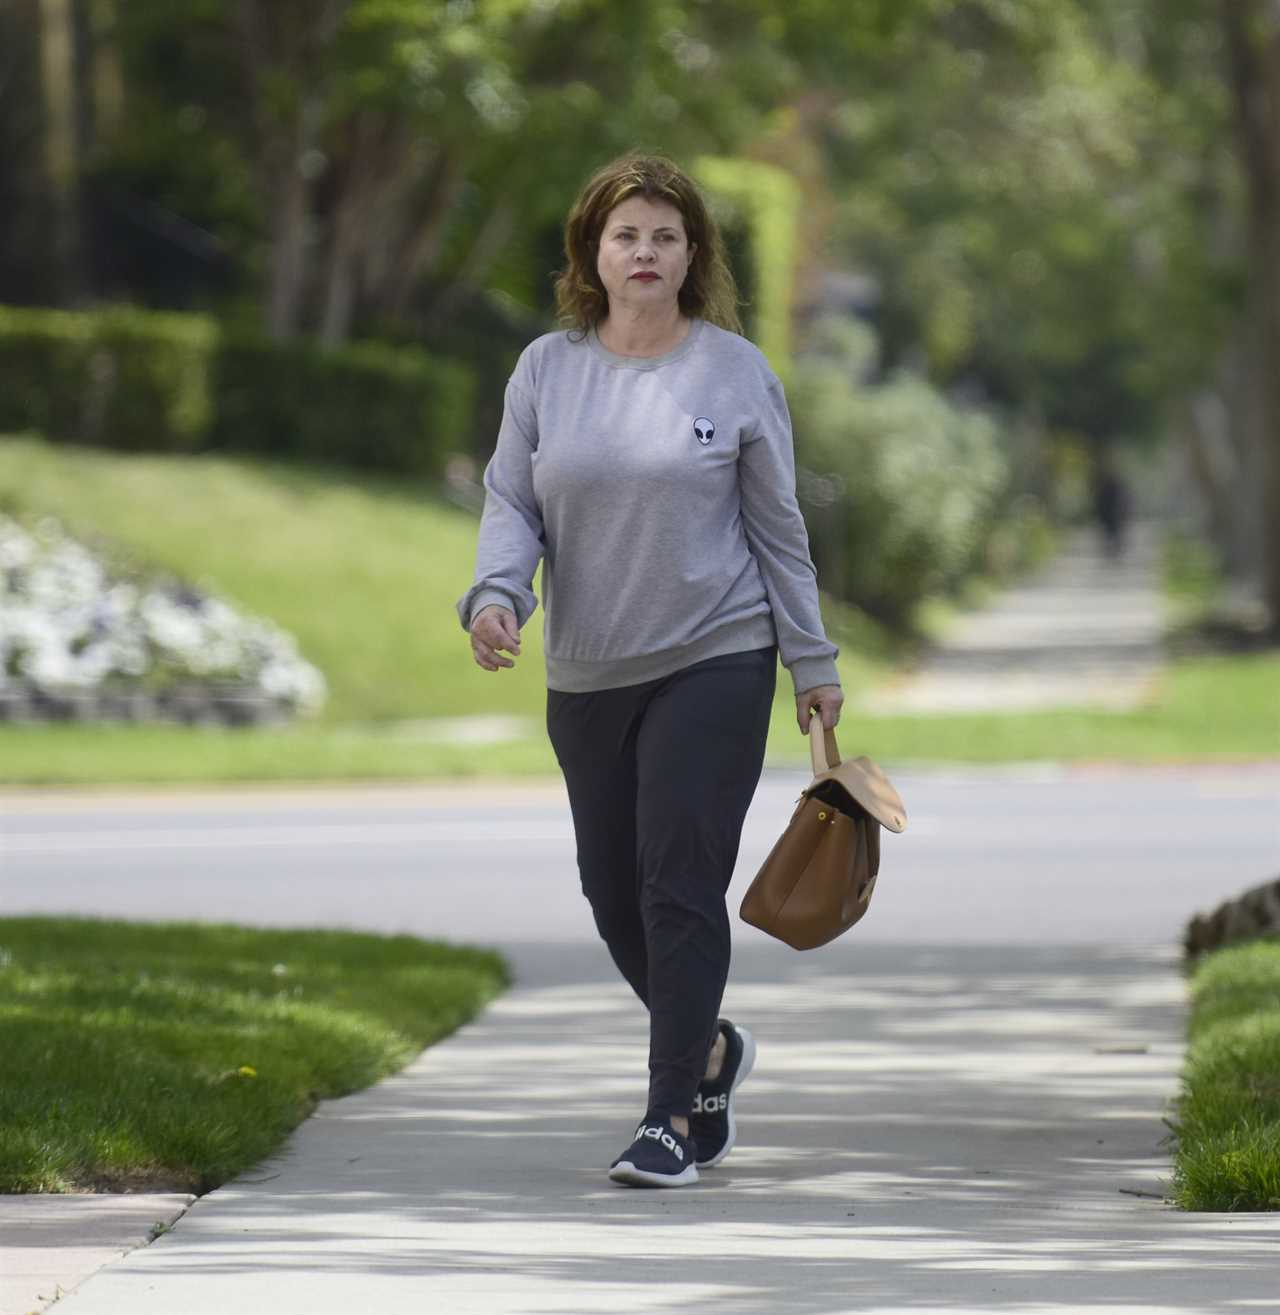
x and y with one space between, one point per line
644 362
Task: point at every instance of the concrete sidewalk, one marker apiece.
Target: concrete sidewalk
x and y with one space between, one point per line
1085 631
50 1243
951 1129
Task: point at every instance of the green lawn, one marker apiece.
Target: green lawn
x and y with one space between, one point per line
1228 1122
175 1056
365 572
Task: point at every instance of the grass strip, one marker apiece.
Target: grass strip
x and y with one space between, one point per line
1208 709
1228 1122
173 1056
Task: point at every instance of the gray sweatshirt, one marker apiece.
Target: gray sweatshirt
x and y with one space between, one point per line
661 493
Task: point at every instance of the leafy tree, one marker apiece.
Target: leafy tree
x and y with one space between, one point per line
1046 191
1018 192
391 145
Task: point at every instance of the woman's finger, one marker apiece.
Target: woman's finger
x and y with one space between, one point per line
826 702
487 657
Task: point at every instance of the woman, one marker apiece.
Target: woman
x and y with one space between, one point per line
646 454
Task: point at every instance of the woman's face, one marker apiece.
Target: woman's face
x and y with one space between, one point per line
644 254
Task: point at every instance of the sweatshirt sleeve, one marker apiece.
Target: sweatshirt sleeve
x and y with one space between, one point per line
780 544
512 537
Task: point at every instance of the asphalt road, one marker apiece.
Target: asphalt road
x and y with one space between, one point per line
1017 856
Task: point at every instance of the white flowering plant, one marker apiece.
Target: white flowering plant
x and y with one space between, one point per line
70 623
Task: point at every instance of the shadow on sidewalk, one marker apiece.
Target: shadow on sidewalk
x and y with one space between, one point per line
928 1129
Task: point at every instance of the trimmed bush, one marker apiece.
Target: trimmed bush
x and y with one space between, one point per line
149 374
903 489
139 380
368 406
44 371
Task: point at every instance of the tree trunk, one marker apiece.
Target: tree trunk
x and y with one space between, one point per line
382 163
1203 424
341 282
57 73
1252 29
290 225
1244 391
108 75
411 238
289 157
485 248
351 215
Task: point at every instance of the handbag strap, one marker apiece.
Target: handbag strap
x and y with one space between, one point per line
823 750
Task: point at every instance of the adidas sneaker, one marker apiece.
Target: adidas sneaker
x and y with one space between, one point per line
659 1156
711 1122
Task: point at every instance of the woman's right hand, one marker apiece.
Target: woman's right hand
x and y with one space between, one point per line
494 628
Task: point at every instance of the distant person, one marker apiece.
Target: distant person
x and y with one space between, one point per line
645 455
1111 506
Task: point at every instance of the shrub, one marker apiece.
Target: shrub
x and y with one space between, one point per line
908 486
148 375
368 406
140 380
44 370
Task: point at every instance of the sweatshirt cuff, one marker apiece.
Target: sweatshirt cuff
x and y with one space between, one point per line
487 598
808 673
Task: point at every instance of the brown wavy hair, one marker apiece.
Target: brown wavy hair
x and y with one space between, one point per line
708 291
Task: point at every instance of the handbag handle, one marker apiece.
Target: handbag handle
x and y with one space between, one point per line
823 750
861 778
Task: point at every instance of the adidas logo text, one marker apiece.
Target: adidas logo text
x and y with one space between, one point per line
657 1133
712 1104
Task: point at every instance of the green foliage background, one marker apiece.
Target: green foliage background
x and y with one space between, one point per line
1040 205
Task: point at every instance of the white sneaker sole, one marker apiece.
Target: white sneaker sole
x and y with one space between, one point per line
748 1063
628 1175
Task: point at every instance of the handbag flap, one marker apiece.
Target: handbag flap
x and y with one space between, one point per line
861 778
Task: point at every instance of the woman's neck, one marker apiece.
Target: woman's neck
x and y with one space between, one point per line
642 335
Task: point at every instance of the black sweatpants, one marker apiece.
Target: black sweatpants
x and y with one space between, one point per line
660 776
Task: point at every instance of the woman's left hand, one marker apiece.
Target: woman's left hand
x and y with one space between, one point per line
827 699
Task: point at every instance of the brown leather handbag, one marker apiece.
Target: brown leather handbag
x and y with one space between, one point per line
818 878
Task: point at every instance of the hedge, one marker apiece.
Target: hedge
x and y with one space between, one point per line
138 380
